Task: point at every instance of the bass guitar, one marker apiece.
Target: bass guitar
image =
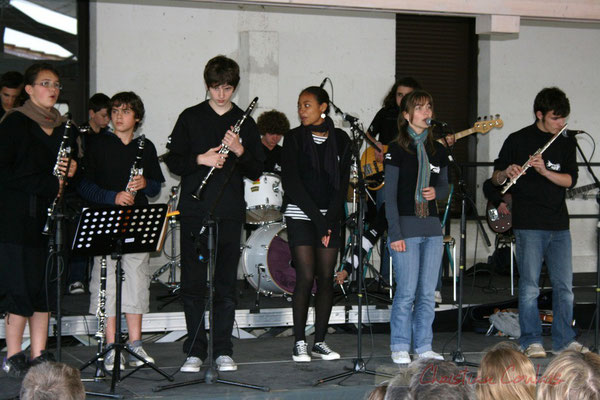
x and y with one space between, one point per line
571 193
499 223
373 169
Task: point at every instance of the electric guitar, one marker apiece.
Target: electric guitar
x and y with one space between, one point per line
373 170
499 223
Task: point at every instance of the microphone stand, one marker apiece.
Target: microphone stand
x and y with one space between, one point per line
457 356
596 347
359 365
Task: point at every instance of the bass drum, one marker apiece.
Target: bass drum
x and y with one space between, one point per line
266 261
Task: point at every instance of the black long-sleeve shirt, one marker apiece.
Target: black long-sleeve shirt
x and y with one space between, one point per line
198 129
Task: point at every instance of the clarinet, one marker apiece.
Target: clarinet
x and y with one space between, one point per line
224 149
137 168
101 315
63 151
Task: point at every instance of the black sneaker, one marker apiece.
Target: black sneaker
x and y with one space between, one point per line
300 352
44 357
16 366
322 350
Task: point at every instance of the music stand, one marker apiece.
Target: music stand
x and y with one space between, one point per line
117 231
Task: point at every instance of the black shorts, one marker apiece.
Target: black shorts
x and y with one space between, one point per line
304 233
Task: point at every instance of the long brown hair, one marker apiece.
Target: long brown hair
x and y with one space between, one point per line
407 105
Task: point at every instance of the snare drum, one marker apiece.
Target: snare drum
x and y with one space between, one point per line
264 197
266 261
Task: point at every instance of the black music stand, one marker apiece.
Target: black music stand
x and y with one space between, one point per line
117 231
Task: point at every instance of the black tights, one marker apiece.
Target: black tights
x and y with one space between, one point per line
311 263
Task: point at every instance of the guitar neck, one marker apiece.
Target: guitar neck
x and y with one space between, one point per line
460 135
582 189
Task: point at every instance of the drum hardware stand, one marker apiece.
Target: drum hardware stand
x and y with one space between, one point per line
211 375
129 240
358 364
457 356
173 264
596 347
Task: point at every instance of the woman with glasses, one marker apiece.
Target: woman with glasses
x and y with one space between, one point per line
415 175
30 137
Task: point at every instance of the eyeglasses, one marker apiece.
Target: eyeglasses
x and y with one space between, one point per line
49 85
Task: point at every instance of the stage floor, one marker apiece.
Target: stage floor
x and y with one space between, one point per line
267 361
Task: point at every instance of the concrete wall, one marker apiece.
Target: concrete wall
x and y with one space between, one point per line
159 49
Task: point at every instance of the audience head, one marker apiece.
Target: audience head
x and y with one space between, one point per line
51 381
571 376
506 373
379 392
438 379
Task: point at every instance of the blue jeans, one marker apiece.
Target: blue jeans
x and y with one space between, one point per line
533 247
416 271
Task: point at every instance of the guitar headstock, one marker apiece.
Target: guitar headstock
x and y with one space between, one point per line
486 124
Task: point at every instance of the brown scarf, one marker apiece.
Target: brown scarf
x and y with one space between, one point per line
46 119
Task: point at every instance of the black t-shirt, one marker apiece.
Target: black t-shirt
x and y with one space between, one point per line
108 163
385 124
272 159
537 202
408 167
198 129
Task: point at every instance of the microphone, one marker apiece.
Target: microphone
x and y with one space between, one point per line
570 133
323 83
430 122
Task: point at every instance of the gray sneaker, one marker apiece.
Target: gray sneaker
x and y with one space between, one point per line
225 363
535 350
191 364
139 350
578 347
109 361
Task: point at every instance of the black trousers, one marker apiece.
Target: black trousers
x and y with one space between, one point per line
193 285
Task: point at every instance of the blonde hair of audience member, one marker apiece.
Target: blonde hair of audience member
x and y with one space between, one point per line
505 373
378 393
50 381
572 375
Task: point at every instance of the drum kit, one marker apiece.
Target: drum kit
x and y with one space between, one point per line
266 257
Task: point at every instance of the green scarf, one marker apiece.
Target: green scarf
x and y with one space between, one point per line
421 205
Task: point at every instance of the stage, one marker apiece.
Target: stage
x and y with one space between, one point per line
263 347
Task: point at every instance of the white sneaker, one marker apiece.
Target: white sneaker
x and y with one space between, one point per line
401 357
191 364
438 297
322 350
225 363
300 352
535 350
109 361
139 350
576 346
431 354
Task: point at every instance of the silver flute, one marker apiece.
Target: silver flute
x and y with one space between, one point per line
101 316
526 166
137 168
224 149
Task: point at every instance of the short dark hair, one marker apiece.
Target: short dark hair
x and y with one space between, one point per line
221 70
133 101
11 80
272 122
99 101
32 72
390 99
51 380
552 99
320 94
